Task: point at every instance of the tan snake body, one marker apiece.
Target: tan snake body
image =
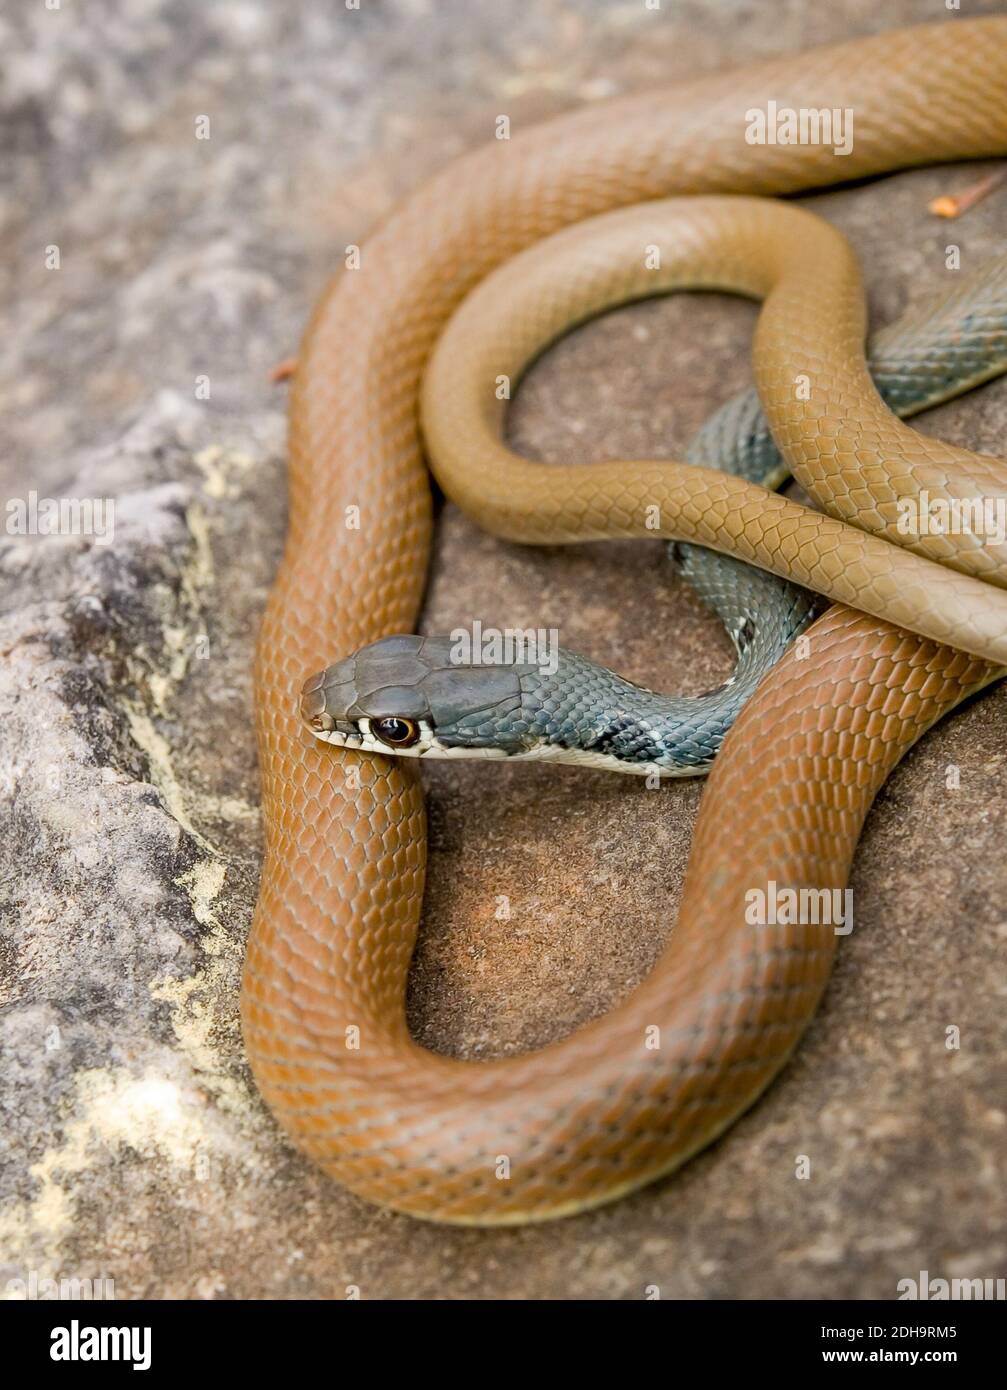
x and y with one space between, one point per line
323 1000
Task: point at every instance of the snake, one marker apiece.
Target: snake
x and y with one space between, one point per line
529 701
917 623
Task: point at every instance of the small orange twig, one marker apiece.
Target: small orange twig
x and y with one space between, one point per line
953 206
283 371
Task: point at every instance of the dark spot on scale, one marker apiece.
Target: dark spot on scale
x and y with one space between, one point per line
604 741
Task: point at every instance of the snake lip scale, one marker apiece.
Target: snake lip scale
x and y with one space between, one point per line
460 284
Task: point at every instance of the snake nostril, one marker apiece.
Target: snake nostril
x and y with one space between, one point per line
313 711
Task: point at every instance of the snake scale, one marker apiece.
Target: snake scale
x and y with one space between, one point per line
601 1112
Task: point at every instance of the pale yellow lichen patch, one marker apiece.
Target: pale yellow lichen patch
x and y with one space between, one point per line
214 477
203 883
113 1109
180 641
193 1017
220 468
178 645
193 1020
162 771
162 679
199 570
226 808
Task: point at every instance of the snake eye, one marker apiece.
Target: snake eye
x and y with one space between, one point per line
398 733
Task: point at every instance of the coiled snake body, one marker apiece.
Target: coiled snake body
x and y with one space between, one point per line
323 1000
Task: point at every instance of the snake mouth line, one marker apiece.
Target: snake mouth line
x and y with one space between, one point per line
360 739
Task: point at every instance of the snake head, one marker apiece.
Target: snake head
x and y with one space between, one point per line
410 695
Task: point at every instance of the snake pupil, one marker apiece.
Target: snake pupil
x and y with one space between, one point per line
399 732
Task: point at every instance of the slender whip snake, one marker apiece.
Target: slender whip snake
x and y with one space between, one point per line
603 1111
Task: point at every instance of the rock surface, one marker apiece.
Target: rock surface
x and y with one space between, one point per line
134 1144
